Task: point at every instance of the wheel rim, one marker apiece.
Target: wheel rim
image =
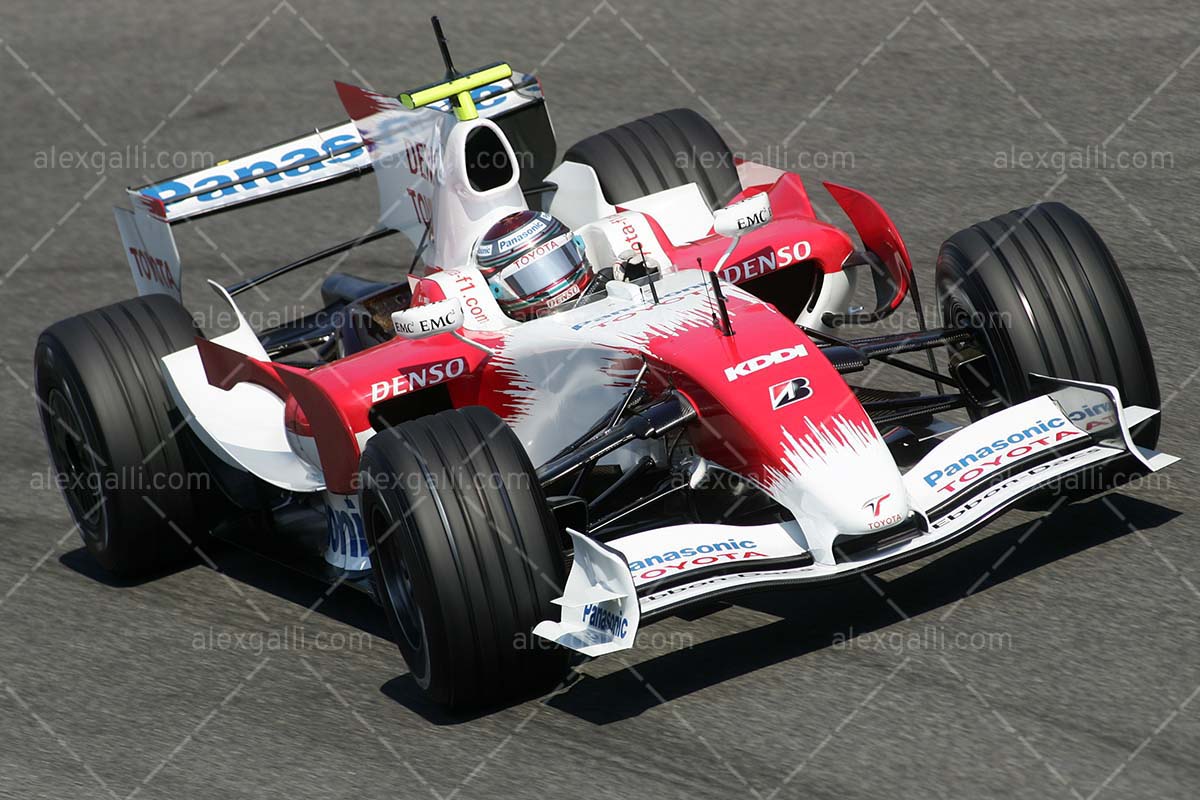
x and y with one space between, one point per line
78 465
397 583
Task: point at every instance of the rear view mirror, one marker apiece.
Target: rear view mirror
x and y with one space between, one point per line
743 216
430 319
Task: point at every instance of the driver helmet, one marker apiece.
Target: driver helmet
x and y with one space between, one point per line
533 263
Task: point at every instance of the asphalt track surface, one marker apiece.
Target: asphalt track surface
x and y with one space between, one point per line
1055 657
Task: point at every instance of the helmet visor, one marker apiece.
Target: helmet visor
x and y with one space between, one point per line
542 267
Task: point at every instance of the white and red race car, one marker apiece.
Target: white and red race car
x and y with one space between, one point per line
697 426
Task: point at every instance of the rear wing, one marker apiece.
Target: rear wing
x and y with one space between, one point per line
336 152
326 156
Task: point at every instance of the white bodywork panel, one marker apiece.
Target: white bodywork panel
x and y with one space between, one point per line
462 213
420 160
578 199
682 212
150 248
836 290
244 426
575 364
607 238
481 312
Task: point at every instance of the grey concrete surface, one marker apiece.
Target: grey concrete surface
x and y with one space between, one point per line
1052 658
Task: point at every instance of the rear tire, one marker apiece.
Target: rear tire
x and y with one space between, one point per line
466 556
661 151
1044 294
132 480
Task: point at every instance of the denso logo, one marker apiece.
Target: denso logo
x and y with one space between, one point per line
752 365
989 458
768 262
223 185
428 375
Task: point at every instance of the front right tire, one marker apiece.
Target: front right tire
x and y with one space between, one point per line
1043 294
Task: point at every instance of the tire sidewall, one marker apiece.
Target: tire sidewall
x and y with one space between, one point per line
398 541
55 371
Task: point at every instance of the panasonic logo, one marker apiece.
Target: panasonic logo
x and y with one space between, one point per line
226 185
606 621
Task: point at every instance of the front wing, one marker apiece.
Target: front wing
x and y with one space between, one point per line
956 489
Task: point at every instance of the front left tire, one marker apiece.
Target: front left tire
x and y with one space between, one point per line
466 556
121 451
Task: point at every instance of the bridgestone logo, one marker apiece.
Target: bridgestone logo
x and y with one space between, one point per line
788 392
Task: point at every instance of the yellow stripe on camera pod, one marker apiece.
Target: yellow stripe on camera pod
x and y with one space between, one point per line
459 89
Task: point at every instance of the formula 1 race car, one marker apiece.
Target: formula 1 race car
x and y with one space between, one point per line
688 418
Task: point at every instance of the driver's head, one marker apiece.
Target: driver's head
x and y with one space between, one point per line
532 262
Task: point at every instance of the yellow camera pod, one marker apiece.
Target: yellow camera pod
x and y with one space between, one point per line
458 89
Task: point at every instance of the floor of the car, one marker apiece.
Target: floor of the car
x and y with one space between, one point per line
295 540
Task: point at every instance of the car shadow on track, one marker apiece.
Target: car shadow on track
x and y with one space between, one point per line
860 609
941 581
345 605
404 690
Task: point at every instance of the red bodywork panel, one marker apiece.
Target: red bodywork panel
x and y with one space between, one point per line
878 233
740 425
771 247
335 400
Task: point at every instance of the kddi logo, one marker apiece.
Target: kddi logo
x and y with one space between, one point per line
752 365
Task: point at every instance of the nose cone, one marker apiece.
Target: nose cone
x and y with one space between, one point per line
837 477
